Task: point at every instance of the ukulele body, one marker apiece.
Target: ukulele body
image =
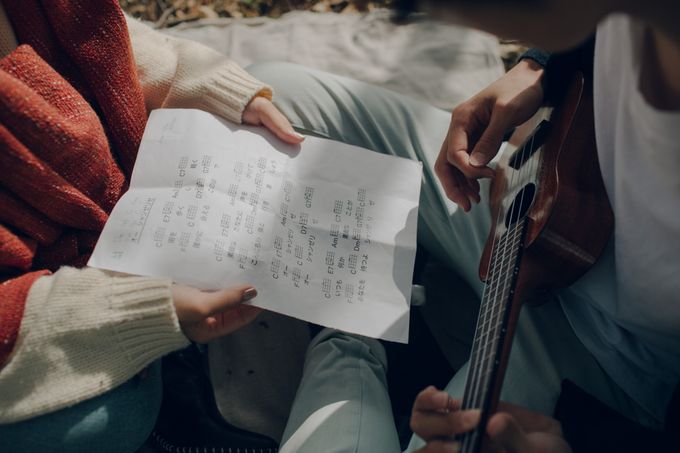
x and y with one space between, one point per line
569 218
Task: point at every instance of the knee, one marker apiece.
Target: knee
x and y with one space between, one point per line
120 420
340 345
300 92
314 101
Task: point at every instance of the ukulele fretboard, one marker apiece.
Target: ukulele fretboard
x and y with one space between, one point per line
491 328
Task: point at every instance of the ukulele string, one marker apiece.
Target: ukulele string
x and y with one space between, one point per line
497 309
483 323
513 234
472 379
472 395
523 170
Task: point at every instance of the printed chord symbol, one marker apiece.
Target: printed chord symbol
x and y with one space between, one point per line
349 291
330 258
352 262
326 285
191 212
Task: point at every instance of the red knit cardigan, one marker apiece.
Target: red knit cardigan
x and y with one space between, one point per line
71 118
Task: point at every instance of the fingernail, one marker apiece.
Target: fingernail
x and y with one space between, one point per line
298 135
248 294
476 159
452 447
441 399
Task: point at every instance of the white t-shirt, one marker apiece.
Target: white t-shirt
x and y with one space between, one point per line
631 318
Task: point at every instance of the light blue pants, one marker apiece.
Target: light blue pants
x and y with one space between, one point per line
342 404
118 421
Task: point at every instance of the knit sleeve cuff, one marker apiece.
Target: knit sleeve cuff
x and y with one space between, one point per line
148 327
179 73
84 332
539 56
230 90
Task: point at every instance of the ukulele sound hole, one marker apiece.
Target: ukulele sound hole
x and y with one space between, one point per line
520 205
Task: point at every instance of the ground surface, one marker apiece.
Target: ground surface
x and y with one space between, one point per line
169 13
173 12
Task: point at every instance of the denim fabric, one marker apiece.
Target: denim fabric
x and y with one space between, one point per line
118 421
545 348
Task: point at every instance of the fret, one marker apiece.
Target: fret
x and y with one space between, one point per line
491 359
491 324
497 272
481 339
530 186
490 305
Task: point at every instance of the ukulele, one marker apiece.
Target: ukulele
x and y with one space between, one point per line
551 219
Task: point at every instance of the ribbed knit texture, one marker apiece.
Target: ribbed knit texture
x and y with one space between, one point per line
49 134
92 50
126 323
11 314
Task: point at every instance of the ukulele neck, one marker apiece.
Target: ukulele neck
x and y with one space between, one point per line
491 334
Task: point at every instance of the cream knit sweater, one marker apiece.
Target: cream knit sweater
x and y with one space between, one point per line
84 332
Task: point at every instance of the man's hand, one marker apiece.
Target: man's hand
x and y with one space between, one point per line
261 112
205 316
437 418
478 126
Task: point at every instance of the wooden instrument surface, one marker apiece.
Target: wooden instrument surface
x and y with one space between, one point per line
551 220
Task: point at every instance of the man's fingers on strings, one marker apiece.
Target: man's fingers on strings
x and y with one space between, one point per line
489 142
474 190
449 179
440 446
504 430
470 188
431 399
458 155
464 192
530 421
430 425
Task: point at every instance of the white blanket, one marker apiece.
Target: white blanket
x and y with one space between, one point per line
434 62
